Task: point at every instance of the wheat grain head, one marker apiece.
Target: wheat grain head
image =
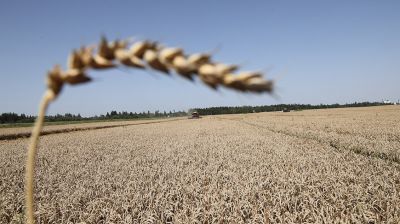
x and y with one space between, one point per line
140 55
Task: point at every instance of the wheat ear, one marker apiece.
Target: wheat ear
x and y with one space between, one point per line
141 55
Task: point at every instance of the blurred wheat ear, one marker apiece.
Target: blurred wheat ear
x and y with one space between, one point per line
141 55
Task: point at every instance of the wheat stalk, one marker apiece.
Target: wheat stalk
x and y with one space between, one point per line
140 55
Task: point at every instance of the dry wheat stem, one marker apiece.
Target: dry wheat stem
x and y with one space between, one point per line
30 163
140 55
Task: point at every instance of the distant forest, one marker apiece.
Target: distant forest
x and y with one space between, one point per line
9 118
278 107
6 118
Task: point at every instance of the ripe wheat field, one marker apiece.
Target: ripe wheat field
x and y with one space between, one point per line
315 166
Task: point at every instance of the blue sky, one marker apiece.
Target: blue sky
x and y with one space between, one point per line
319 51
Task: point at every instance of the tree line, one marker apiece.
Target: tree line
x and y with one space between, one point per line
23 118
9 118
278 107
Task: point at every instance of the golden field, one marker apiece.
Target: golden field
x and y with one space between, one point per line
315 166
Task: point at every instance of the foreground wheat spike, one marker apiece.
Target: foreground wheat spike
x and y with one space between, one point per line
140 55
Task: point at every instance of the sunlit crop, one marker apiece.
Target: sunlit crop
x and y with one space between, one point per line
317 166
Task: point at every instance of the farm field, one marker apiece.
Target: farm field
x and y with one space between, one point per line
18 132
315 166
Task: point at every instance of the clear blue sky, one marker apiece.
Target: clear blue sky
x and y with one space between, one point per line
320 51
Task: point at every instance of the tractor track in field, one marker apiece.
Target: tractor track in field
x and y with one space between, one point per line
14 136
335 144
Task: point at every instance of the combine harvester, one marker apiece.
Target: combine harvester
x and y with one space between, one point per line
195 115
